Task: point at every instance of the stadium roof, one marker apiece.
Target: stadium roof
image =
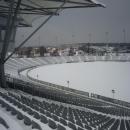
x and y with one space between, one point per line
32 9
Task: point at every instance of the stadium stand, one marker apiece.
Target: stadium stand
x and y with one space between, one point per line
42 104
58 114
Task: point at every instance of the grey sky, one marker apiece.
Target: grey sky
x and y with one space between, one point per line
76 25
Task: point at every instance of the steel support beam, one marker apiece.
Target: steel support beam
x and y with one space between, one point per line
10 26
2 74
35 31
4 46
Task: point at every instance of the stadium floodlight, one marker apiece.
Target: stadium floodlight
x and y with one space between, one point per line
124 35
22 13
68 83
113 92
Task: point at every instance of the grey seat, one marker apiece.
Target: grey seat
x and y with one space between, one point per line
27 121
52 124
44 119
20 116
60 127
36 125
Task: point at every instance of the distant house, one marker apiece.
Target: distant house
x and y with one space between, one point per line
79 52
31 51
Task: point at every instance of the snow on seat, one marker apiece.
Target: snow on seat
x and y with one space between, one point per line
68 116
3 122
11 122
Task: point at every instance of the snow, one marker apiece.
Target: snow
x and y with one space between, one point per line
2 127
12 123
15 124
95 1
94 77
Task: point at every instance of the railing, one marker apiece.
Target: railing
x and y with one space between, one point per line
115 101
61 90
58 86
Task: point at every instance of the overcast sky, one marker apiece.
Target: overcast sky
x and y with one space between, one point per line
84 25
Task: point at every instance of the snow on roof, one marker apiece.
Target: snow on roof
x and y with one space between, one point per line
32 9
97 2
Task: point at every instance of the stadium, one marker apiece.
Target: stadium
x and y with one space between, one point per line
29 101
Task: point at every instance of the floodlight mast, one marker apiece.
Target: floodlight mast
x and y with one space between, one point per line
113 92
17 8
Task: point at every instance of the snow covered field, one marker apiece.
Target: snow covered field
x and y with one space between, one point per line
95 77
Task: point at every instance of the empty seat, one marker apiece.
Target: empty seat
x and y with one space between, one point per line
36 115
31 112
27 121
36 125
122 125
55 118
72 126
71 119
19 105
44 119
127 125
13 111
79 128
3 122
48 114
8 108
63 121
52 124
79 123
20 116
42 111
24 108
88 127
115 125
60 127
3 104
